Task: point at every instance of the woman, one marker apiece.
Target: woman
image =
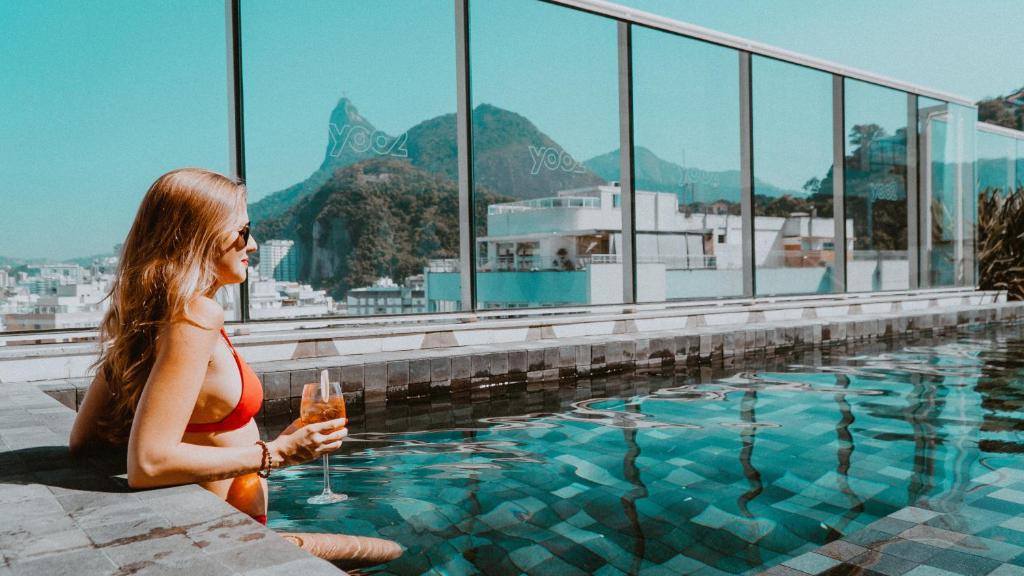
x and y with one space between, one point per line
168 382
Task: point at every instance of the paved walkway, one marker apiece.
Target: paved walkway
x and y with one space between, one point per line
64 516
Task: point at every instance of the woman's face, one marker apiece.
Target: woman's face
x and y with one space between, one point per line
234 259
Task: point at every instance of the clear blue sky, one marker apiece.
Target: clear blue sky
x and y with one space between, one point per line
97 101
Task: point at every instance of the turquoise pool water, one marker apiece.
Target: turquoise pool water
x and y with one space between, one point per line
694 472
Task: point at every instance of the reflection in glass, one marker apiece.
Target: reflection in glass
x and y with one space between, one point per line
351 167
87 125
687 167
794 231
545 155
876 187
946 140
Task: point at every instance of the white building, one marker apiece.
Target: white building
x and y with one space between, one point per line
679 254
269 298
278 260
66 273
69 306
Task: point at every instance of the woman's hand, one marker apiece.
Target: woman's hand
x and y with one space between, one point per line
308 442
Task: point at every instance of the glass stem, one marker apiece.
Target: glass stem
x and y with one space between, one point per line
327 475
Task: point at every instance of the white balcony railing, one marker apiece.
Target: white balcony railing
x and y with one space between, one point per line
544 204
701 262
443 265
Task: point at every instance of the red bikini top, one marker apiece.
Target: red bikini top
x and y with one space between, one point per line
249 403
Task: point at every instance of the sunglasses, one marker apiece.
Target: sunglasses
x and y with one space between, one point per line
244 232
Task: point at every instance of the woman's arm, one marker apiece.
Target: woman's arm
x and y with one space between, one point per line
84 433
156 454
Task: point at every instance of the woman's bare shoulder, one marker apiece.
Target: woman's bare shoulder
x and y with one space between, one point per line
204 312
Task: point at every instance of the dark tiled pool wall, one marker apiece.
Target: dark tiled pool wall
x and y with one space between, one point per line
369 386
447 407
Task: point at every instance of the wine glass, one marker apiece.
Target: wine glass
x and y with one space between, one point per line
322 402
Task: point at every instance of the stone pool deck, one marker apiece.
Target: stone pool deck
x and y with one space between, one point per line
981 536
60 515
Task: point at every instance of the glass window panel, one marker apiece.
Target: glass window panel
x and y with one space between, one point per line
351 165
545 155
996 161
876 187
88 125
794 230
687 167
946 140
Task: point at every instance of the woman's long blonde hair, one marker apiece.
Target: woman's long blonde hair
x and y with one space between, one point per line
168 259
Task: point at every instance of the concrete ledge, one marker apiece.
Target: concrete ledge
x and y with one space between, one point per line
57 356
65 516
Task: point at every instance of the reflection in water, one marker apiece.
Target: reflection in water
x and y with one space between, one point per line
504 487
747 436
843 457
632 475
922 409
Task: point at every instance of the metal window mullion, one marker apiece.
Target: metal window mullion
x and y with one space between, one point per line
924 209
467 236
913 195
747 176
839 184
627 198
960 266
1012 181
236 119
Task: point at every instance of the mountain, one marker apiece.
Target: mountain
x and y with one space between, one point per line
9 261
348 142
512 157
377 217
693 185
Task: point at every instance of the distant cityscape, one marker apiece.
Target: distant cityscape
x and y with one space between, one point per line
69 295
562 249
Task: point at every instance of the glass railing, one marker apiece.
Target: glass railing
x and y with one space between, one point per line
357 174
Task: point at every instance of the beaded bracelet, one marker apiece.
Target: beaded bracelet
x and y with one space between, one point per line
264 471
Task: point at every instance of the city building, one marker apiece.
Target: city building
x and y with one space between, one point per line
51 275
386 297
278 260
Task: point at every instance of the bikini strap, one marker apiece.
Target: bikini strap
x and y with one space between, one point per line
224 333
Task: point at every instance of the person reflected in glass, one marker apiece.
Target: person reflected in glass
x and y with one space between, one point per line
169 385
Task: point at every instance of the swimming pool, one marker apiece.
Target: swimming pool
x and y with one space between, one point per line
709 472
